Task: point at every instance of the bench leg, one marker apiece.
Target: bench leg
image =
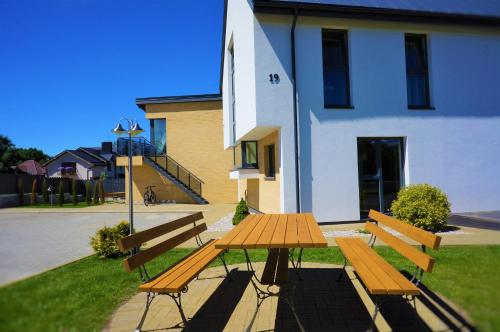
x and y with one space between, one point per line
150 297
177 299
342 272
221 257
375 313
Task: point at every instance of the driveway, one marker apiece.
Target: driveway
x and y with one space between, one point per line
31 243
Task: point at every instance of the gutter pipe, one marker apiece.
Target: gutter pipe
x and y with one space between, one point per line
295 112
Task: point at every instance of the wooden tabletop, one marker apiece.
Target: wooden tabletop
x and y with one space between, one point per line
299 230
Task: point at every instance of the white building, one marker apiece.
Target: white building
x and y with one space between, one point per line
342 100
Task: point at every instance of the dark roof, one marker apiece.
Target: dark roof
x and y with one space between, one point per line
485 12
141 102
81 155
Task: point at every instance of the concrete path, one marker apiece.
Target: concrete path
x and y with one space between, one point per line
31 243
321 304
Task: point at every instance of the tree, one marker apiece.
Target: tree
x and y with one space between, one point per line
60 198
10 156
45 191
20 191
34 193
32 153
73 192
88 192
101 191
95 194
241 212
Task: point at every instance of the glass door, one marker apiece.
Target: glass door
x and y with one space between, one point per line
380 165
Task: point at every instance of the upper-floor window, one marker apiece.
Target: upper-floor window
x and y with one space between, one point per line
335 69
158 135
249 154
417 75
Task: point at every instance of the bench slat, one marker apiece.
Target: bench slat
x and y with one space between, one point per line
390 285
182 262
137 239
426 238
145 256
270 267
194 270
406 285
421 259
369 279
176 279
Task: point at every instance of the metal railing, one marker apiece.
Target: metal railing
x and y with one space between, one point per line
142 147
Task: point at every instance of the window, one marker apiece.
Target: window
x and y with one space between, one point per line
336 69
270 161
158 134
417 76
249 154
68 168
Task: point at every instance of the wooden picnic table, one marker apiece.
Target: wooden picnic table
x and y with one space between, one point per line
281 234
297 230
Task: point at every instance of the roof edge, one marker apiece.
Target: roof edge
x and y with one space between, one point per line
142 102
372 13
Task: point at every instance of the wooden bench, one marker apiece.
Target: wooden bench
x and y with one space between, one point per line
380 277
175 279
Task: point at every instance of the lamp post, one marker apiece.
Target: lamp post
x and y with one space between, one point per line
133 130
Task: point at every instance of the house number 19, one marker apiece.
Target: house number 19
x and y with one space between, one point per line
274 78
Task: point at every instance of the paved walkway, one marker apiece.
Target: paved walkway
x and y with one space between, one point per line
215 304
36 240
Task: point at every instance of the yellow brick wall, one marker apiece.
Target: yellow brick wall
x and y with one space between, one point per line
261 193
195 141
164 189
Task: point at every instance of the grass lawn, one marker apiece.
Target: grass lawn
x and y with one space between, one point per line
82 295
55 205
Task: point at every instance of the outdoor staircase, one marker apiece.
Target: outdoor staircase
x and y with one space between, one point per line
179 176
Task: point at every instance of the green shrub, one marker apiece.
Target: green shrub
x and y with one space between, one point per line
20 191
45 191
241 212
101 191
104 240
34 193
88 192
60 196
423 206
74 196
95 194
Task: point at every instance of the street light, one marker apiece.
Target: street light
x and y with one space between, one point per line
133 130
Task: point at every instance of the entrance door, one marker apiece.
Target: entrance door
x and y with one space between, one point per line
380 165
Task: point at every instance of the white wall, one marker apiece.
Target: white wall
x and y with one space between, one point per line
455 147
81 167
239 33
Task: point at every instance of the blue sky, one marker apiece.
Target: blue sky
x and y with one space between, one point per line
70 69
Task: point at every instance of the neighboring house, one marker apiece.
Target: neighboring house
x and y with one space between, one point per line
186 162
30 167
332 106
85 163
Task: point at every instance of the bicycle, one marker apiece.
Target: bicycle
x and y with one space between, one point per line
149 196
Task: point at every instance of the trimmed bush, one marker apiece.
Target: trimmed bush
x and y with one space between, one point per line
104 240
422 205
95 194
241 212
101 191
34 193
60 196
74 196
20 191
45 191
88 192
